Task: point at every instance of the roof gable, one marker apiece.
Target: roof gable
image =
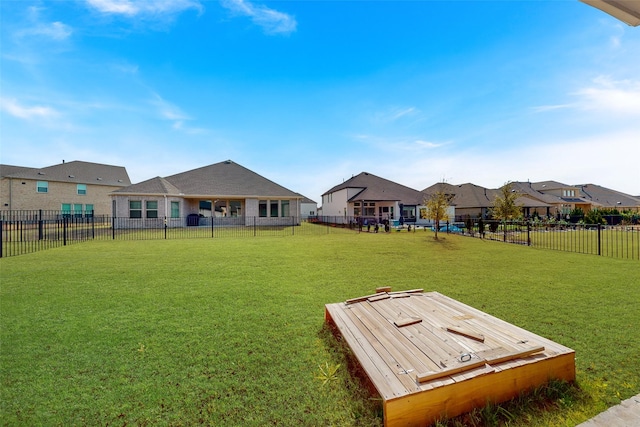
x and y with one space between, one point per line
155 185
76 172
607 197
376 188
224 179
11 171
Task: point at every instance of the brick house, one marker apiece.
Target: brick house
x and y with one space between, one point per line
225 191
77 188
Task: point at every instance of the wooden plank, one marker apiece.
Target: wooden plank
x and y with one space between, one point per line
425 408
489 357
402 349
465 332
396 361
360 299
497 332
400 295
429 337
508 333
364 351
383 289
428 376
495 358
439 319
407 321
410 291
379 297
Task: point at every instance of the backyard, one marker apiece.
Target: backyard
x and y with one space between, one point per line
231 331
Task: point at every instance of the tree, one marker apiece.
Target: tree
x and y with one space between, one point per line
504 206
437 204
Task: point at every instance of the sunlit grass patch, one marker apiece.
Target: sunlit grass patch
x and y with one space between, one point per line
231 331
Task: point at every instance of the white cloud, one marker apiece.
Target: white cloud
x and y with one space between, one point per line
398 113
607 95
272 21
167 110
12 107
398 144
604 96
174 114
132 8
55 31
429 144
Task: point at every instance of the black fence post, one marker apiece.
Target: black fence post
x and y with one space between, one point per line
599 240
528 233
113 228
255 230
64 231
1 237
165 228
212 220
40 234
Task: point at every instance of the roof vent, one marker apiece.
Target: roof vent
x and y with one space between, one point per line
40 173
71 176
119 180
99 179
227 162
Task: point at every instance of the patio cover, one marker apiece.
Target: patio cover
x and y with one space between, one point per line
628 11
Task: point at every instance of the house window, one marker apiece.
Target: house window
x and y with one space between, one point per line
88 211
135 209
66 209
77 210
262 208
81 189
356 211
175 209
151 208
42 186
284 208
369 209
236 208
274 208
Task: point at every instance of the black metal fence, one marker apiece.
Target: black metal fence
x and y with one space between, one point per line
23 232
616 241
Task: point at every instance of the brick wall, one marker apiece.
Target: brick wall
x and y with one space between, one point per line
22 194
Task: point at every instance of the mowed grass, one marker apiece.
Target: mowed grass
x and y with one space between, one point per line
231 332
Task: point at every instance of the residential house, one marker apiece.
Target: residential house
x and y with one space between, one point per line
471 200
77 188
564 198
226 191
308 208
609 198
370 197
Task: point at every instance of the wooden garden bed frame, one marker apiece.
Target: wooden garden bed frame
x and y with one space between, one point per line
429 356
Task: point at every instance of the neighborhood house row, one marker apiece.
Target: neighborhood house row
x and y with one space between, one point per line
227 191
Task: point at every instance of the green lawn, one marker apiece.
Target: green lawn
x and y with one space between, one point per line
230 332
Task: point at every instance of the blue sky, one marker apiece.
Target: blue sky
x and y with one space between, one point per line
310 93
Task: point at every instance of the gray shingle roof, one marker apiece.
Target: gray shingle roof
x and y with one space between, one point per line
607 197
224 179
11 171
155 186
75 171
374 188
474 196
